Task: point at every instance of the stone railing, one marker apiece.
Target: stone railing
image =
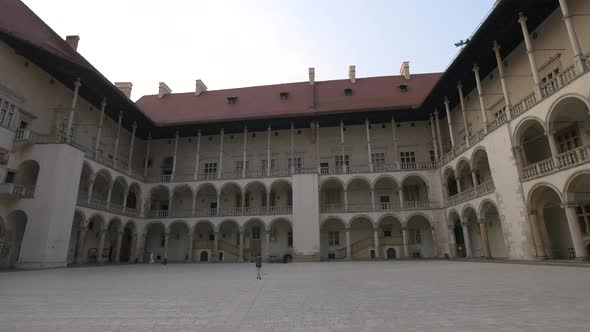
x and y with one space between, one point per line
471 193
223 212
12 190
98 204
562 161
377 168
378 207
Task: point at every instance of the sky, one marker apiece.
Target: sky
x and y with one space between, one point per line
237 43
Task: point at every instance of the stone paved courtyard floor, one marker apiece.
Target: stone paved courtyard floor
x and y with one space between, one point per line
340 296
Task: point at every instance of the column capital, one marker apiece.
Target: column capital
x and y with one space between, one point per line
120 116
475 68
549 132
435 112
464 223
569 205
496 46
446 101
482 221
150 135
460 86
199 132
77 83
177 134
103 103
134 125
521 18
451 226
532 212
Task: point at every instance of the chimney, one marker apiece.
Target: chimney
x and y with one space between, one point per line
125 87
73 41
352 73
200 87
405 70
163 90
311 76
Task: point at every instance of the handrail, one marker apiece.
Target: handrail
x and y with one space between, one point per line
471 193
571 158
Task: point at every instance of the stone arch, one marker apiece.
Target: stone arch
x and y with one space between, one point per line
387 177
86 176
255 197
358 191
530 136
102 184
332 238
205 222
464 174
415 188
386 216
118 191
281 239
361 216
27 173
128 242
420 236
419 214
134 197
569 101
453 213
206 196
541 185
524 123
357 178
182 201
179 241
159 201
332 194
577 194
96 224
331 179
155 241
450 179
255 243
481 166
470 218
490 213
386 190
230 198
114 227
344 223
229 240
466 209
16 226
281 194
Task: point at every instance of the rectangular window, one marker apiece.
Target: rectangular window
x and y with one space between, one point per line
210 168
414 235
264 163
324 168
407 157
255 233
290 240
387 233
378 160
568 139
294 162
339 160
432 156
240 165
333 239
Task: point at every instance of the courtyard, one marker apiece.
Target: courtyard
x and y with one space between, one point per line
339 296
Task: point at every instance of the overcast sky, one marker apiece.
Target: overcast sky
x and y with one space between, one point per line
240 43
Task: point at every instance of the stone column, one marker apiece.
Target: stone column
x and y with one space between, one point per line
109 193
401 198
166 240
372 195
531 54
80 255
101 239
134 127
133 253
317 146
406 242
147 155
292 148
571 32
500 65
103 105
452 241
118 247
438 135
69 132
394 135
241 235
267 244
190 246
376 240
474 179
482 106
467 240
141 247
216 245
117 138
450 123
462 102
553 147
368 126
197 159
342 163
458 182
345 200
268 132
436 155
348 248
90 189
220 164
575 231
245 152
174 156
537 237
483 231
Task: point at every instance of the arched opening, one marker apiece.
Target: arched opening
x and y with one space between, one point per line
229 242
179 242
358 192
391 243
475 241
332 196
362 239
111 240
569 121
231 199
415 192
465 177
133 198
254 239
166 165
578 198
159 201
90 250
84 186
182 202
451 182
281 197
203 238
204 256
489 212
16 223
420 239
533 143
26 177
332 239
100 189
206 204
387 193
457 230
281 240
255 198
155 241
128 243
77 226
481 167
118 193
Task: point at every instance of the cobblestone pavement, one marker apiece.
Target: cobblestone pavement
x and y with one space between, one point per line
340 296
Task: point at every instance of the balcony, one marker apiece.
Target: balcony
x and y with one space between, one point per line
480 190
562 161
378 168
11 190
378 207
98 204
225 212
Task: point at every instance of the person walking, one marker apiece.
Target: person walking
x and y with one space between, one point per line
258 261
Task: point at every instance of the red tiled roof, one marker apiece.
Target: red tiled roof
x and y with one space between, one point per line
372 93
